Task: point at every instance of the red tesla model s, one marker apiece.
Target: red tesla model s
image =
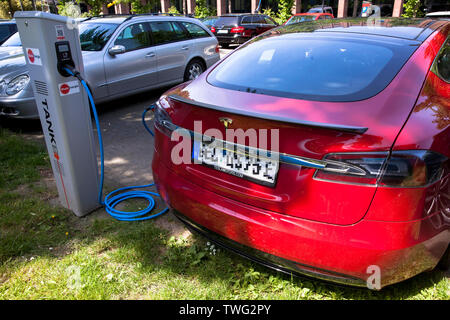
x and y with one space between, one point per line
318 149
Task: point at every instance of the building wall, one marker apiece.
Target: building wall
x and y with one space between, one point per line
341 8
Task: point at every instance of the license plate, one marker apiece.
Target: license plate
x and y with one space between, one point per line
222 31
257 169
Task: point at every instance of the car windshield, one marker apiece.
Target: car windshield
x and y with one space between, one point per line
5 31
13 41
93 36
299 67
209 21
296 19
227 21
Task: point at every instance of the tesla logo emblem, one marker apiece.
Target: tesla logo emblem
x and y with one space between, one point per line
226 122
31 55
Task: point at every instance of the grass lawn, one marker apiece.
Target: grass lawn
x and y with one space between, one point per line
48 253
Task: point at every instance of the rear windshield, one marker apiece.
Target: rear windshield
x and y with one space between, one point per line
296 19
227 21
312 68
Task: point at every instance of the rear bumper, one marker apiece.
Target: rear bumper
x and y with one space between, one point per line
267 259
342 254
237 39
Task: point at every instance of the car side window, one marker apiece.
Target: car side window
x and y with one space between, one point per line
269 21
443 62
246 20
133 37
257 19
166 31
194 30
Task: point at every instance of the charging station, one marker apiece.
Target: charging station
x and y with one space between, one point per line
50 42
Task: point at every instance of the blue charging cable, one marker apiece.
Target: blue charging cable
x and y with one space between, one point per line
115 197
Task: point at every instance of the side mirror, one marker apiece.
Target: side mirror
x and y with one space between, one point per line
118 49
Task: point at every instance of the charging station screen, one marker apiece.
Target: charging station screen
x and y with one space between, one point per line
64 48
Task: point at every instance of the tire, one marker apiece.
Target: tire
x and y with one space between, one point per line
225 46
194 69
444 264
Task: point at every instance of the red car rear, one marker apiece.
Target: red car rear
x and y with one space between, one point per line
303 17
356 120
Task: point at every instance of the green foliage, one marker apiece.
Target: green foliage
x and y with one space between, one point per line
8 7
173 10
137 7
412 9
183 254
69 9
202 10
269 12
96 6
284 11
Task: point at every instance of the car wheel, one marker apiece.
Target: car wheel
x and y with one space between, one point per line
444 264
193 70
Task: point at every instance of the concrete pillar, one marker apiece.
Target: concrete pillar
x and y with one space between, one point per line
342 9
297 7
398 8
191 6
221 7
254 5
165 5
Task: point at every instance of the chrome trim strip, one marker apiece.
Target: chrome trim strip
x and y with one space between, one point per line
338 127
282 157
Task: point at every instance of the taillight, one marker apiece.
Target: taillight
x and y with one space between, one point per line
237 30
163 122
411 168
213 30
217 49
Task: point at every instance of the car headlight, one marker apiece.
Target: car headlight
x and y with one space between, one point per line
17 84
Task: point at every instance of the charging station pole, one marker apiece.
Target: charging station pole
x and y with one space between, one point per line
49 41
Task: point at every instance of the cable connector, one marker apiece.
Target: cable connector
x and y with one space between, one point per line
72 71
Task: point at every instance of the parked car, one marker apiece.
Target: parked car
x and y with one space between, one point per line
239 28
320 9
209 21
354 185
438 14
7 29
122 56
302 17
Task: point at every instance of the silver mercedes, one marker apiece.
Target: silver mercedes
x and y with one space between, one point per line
122 55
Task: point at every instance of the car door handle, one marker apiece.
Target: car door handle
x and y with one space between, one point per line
185 48
150 55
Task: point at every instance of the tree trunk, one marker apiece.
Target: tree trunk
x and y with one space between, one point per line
11 10
355 8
